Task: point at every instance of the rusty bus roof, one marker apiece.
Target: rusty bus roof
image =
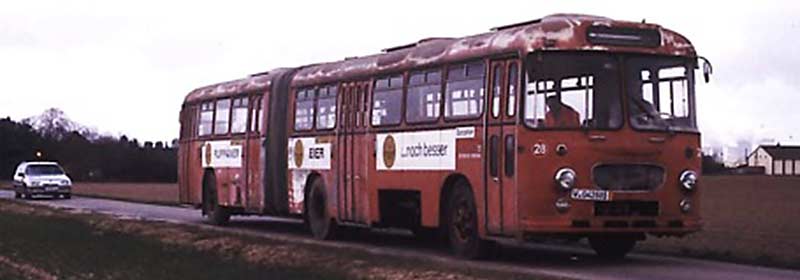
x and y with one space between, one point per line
554 32
258 82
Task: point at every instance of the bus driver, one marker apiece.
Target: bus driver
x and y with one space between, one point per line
560 114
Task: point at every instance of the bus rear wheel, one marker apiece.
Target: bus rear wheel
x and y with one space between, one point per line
612 247
320 223
462 224
215 214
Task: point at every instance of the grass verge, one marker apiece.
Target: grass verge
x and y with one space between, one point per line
48 244
53 243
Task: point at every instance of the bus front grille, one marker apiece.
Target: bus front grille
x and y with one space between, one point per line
628 177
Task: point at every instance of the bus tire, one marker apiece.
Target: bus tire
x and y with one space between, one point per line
321 225
462 223
215 213
612 247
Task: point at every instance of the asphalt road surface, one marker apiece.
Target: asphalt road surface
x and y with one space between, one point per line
551 260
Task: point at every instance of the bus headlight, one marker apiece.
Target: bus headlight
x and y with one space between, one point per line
565 178
688 180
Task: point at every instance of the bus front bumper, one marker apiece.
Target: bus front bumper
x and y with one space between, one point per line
594 225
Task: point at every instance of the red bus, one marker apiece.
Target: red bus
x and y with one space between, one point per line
569 126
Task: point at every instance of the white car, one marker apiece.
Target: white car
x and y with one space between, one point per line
41 178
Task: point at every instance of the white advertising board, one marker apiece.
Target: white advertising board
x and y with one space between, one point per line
423 150
222 154
306 153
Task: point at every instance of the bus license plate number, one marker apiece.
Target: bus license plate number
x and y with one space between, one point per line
592 195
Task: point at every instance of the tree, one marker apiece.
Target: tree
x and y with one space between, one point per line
53 123
711 165
83 153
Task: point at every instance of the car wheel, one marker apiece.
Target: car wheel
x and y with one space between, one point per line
612 247
320 223
67 196
17 195
462 224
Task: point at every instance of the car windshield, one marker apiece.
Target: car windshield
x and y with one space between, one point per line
568 90
660 93
43 169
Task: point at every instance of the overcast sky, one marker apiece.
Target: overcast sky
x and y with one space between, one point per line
124 67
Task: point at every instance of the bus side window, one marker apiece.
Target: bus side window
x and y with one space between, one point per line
206 119
424 96
326 108
239 115
387 101
304 110
222 116
464 91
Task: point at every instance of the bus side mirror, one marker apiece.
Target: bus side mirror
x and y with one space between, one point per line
707 69
21 175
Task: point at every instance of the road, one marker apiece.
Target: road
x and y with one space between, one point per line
550 260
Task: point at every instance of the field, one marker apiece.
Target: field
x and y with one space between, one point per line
161 193
749 219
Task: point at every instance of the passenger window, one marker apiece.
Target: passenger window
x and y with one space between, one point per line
464 91
326 108
222 116
387 101
206 119
304 110
239 115
424 97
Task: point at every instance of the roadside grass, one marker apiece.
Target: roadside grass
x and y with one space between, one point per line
72 249
97 246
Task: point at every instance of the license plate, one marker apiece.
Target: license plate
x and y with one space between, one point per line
592 195
50 189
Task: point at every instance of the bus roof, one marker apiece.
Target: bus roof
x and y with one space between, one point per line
554 32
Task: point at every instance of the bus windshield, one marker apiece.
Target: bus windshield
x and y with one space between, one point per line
569 90
660 93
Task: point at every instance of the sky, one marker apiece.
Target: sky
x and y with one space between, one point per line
124 67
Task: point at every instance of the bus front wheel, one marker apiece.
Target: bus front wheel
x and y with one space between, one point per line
612 247
462 223
320 223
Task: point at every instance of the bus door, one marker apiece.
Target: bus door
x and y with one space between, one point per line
500 144
351 160
252 156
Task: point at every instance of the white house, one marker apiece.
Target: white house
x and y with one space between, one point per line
776 159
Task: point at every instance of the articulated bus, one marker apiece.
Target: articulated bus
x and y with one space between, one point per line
568 126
